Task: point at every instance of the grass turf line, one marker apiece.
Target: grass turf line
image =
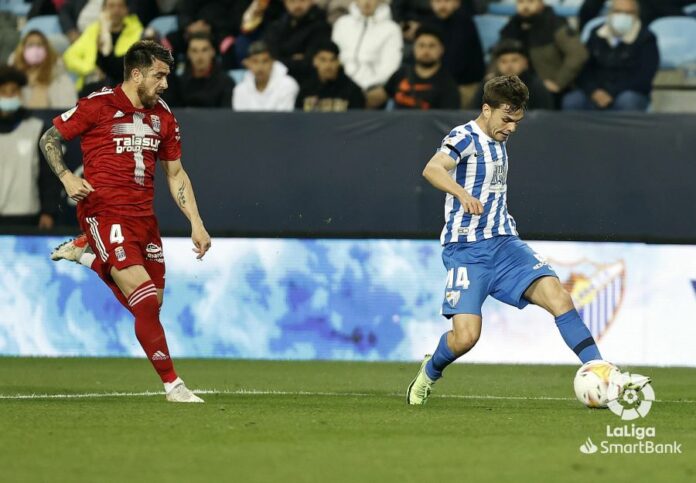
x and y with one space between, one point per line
340 436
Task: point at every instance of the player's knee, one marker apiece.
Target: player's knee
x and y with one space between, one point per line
464 340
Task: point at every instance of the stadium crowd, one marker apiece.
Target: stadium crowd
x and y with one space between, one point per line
314 55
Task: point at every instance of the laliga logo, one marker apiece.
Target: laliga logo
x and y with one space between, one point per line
631 396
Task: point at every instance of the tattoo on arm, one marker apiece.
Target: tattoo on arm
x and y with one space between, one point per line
51 146
180 196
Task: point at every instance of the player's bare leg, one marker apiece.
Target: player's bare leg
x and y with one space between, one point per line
549 294
144 301
466 330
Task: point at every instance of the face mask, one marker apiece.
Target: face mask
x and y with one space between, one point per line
621 23
34 54
10 104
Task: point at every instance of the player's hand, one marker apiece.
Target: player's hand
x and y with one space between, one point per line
471 204
201 241
77 188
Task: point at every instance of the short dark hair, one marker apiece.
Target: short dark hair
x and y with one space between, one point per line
142 54
431 30
506 89
509 46
326 46
201 36
9 74
259 47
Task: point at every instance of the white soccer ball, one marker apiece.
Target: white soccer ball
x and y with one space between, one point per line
592 383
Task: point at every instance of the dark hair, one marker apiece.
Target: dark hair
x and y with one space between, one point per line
509 46
426 29
326 46
259 47
201 36
9 74
506 89
142 54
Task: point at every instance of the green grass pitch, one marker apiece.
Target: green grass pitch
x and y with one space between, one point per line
324 422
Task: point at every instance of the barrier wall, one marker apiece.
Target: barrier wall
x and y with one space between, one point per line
347 299
585 176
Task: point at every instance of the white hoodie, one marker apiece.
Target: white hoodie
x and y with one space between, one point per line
370 46
279 94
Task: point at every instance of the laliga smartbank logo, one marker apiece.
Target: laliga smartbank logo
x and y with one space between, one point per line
630 397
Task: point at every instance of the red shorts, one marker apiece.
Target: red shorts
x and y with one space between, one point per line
122 241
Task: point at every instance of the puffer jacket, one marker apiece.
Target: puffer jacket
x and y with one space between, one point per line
371 47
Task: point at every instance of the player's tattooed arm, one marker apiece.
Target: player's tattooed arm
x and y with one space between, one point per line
51 144
182 192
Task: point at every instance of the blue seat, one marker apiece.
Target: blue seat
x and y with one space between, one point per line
676 38
508 7
165 24
237 75
690 10
489 27
17 7
589 27
48 24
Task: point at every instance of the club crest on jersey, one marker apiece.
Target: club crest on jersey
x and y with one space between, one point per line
452 297
120 254
155 120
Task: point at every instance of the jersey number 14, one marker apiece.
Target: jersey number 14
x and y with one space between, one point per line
461 280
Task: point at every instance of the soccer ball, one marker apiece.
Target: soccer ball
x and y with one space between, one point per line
592 383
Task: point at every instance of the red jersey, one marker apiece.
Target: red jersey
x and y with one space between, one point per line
120 147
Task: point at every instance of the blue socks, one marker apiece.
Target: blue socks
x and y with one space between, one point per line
577 336
442 357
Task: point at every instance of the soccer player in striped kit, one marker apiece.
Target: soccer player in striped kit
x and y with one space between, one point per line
124 131
482 252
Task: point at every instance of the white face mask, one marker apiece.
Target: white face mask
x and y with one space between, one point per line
621 23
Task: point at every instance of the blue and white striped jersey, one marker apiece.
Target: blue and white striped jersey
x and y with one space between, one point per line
481 169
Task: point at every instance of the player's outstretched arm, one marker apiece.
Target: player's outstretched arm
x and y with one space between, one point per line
51 144
182 191
437 172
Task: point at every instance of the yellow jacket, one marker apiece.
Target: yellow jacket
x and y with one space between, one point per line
81 57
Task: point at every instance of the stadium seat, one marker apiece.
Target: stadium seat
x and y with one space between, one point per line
589 27
48 24
489 27
17 7
676 37
564 8
237 75
690 10
165 24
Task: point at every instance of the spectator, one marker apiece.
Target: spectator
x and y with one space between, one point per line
9 35
334 9
294 36
463 52
49 86
555 50
330 89
623 62
426 85
510 58
266 86
218 18
649 9
259 14
203 83
97 56
410 14
370 43
76 15
29 192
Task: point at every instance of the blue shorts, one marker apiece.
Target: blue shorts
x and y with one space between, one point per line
502 266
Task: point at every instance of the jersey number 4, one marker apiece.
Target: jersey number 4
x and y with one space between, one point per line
116 235
461 281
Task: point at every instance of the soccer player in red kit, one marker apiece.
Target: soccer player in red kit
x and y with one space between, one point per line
123 132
